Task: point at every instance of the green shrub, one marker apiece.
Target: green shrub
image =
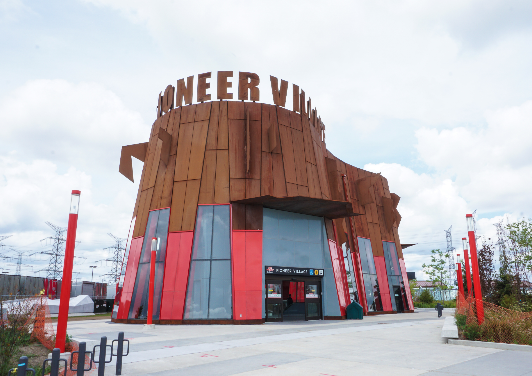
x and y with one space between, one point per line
426 297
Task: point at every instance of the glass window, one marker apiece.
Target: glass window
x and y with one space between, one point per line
274 290
311 292
209 293
370 275
221 239
395 278
274 311
157 227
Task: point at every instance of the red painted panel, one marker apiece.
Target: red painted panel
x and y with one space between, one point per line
253 305
333 249
182 270
129 278
246 253
170 268
239 261
384 287
405 280
254 261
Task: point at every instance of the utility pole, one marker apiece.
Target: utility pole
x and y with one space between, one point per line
56 253
450 256
503 259
116 258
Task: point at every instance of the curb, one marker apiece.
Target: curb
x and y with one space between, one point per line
490 345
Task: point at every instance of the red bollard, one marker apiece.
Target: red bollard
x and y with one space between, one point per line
67 272
474 266
152 279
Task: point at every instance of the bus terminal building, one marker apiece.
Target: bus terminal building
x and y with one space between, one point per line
255 219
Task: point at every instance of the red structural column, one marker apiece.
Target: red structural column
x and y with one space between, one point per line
467 268
459 276
474 266
152 279
66 284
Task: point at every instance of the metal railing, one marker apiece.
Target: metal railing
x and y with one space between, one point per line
104 358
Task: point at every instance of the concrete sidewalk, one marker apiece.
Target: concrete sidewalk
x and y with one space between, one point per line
402 344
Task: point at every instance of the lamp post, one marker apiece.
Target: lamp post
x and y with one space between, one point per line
474 267
152 279
459 275
467 268
67 271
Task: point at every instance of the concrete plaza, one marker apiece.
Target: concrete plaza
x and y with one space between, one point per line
401 344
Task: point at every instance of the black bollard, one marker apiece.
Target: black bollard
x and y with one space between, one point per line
120 351
101 359
80 370
54 363
22 367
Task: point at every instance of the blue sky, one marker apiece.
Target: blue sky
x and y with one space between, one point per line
436 97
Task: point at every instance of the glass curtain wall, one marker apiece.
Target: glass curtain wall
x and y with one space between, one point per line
157 227
369 273
395 278
209 283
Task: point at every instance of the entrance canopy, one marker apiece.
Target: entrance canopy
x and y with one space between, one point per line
305 205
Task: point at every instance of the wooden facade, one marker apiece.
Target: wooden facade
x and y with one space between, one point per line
255 155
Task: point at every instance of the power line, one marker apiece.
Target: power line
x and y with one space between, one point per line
116 258
56 253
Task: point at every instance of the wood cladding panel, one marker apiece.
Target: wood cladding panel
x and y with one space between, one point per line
266 180
178 203
255 150
307 140
235 110
237 143
313 181
144 209
208 178
238 212
265 127
221 185
223 131
275 124
212 135
279 181
203 111
253 217
237 189
322 171
168 185
291 190
283 116
197 150
288 154
254 110
175 130
252 188
184 146
158 187
190 205
295 121
376 239
299 157
334 179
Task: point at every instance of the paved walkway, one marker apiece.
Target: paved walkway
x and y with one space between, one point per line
403 344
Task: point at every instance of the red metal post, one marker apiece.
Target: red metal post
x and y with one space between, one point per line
474 266
152 279
459 277
66 284
467 268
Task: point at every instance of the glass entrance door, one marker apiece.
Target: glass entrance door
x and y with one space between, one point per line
274 300
398 299
312 300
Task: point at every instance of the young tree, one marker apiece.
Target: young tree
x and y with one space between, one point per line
519 235
437 270
486 267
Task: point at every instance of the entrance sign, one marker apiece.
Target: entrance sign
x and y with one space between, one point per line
248 89
305 272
